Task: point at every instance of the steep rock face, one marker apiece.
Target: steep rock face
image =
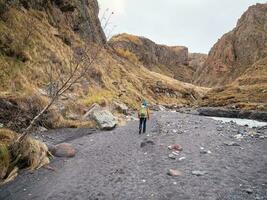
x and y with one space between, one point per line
249 91
66 15
171 61
197 60
237 50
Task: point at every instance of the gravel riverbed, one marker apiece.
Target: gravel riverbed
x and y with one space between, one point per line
218 161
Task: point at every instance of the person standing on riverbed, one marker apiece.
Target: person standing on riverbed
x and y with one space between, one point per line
143 115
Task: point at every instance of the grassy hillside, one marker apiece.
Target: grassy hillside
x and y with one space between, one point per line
31 44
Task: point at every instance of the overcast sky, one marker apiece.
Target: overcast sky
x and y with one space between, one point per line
197 24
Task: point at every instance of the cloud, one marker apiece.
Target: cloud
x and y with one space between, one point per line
197 24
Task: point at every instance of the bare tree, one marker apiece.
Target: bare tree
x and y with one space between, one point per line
78 67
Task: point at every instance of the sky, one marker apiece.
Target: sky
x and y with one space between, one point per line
197 24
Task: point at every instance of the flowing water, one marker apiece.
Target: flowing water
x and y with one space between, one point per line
249 122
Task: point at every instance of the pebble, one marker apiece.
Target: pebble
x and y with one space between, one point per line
175 147
238 136
176 153
171 156
182 158
231 144
146 142
199 173
248 190
203 151
173 172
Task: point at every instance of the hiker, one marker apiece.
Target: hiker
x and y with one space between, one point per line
143 115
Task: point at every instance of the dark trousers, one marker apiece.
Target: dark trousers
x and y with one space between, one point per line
142 124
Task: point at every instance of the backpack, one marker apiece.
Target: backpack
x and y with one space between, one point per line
143 111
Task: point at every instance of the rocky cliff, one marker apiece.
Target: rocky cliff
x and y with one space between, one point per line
171 61
237 50
77 16
196 60
249 91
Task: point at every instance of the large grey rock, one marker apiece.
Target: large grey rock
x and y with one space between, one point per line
121 107
105 119
91 110
158 108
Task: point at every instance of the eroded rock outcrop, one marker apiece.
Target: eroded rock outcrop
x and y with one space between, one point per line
78 16
237 50
197 60
168 60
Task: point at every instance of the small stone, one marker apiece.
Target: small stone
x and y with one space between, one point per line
262 137
238 136
182 158
231 144
174 183
143 180
171 156
199 173
248 190
175 147
176 153
174 131
173 172
146 142
203 151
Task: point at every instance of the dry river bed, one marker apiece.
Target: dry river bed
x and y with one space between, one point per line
113 165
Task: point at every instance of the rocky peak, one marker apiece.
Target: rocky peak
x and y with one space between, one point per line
237 50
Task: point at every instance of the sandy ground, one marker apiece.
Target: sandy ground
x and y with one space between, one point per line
112 165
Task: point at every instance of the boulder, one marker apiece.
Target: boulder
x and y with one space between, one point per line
121 107
158 108
63 150
105 119
91 110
